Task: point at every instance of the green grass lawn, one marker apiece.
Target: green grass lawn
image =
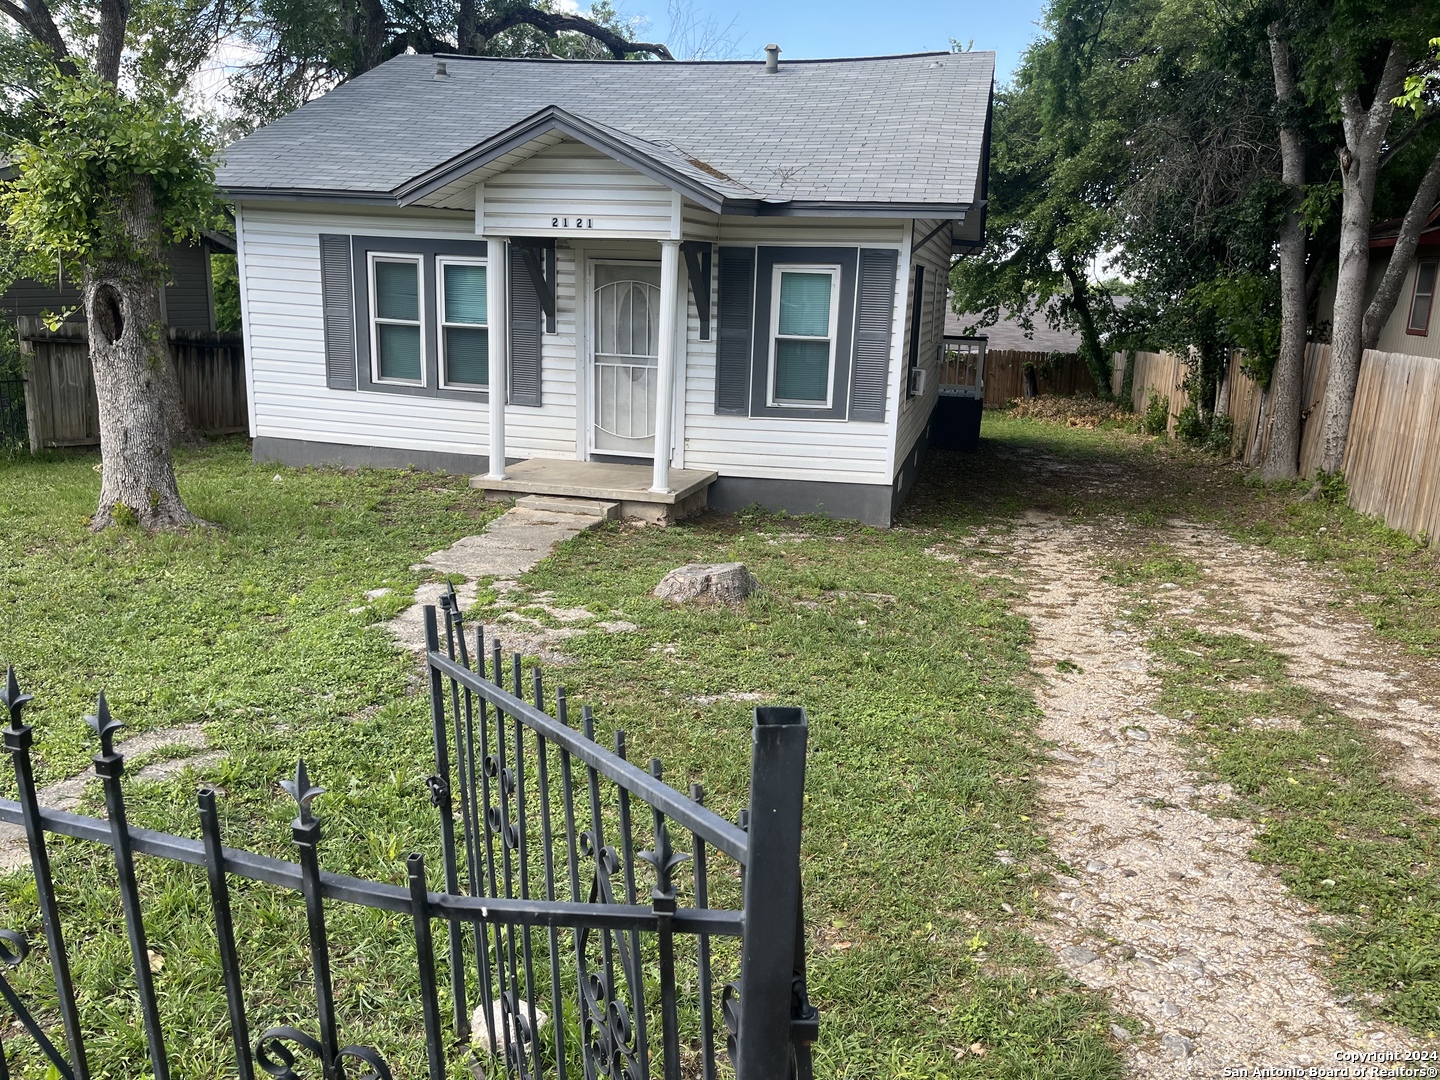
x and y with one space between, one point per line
913 672
919 737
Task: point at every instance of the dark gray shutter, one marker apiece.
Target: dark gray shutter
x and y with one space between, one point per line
732 344
525 315
337 301
874 319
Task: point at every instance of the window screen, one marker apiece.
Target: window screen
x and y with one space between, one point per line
398 352
464 333
1423 299
804 337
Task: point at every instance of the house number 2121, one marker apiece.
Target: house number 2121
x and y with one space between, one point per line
566 223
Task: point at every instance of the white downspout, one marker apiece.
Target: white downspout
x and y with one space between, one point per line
498 317
665 383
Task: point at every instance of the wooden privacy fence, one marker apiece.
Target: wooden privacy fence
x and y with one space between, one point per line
60 401
1055 373
1392 459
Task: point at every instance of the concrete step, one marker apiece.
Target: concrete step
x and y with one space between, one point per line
599 509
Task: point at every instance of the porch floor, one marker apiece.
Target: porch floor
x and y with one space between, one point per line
595 480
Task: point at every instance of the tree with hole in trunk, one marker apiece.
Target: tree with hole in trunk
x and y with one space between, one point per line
104 181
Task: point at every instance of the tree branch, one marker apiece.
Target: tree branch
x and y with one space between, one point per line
1406 137
555 23
1406 242
35 19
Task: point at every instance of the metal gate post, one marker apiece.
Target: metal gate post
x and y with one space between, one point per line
772 893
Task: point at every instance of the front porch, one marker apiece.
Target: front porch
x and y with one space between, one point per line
609 488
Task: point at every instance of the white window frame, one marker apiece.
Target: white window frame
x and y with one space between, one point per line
442 261
833 270
372 258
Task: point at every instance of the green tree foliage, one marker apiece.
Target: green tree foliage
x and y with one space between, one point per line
89 144
1057 156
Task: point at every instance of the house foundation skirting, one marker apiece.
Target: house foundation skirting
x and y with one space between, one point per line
872 504
869 503
300 452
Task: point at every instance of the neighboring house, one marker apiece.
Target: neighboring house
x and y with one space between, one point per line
1414 325
1008 334
720 258
187 295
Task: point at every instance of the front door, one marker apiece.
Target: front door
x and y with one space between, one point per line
624 349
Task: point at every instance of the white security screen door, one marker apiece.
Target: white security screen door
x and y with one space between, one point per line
625 345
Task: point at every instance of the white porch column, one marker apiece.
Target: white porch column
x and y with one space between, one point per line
498 319
665 380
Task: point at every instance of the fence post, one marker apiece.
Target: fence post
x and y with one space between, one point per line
110 766
18 739
772 893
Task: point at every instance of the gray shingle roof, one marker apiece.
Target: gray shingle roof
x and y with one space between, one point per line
900 129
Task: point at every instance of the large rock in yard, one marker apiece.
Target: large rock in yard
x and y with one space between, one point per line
707 583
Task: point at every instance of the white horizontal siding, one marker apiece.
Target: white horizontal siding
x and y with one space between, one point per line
765 448
286 349
571 181
697 223
914 412
818 231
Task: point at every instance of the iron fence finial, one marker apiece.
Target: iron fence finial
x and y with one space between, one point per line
14 700
104 725
301 790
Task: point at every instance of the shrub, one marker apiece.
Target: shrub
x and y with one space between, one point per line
1222 434
1190 426
1157 415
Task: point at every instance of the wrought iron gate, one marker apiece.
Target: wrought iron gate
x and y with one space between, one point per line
541 900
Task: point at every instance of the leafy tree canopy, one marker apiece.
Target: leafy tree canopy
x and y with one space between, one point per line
87 146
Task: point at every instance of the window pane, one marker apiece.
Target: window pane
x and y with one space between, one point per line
467 356
805 304
1425 277
802 370
465 294
399 351
1420 313
397 290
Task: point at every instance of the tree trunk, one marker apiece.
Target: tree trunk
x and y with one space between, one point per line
1282 454
1091 349
1359 165
1127 382
130 357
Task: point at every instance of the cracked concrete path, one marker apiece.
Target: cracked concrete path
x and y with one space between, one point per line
1166 910
508 547
65 794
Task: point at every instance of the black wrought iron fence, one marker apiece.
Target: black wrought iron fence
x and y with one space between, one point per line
535 901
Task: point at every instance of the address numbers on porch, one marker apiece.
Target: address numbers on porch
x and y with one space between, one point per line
572 223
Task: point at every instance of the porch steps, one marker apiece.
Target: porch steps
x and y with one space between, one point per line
599 509
598 483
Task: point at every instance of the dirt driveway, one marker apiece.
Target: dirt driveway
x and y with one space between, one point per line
1159 899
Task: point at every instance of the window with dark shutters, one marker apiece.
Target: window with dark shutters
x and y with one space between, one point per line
732 344
874 318
337 298
525 316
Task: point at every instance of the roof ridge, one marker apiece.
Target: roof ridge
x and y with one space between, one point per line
697 63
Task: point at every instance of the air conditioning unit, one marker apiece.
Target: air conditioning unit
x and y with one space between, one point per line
917 381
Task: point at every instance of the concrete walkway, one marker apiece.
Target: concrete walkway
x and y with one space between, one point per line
509 546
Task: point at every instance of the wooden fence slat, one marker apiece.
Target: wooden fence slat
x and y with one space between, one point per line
60 385
1005 375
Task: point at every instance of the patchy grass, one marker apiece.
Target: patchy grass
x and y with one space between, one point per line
1343 838
1341 834
913 672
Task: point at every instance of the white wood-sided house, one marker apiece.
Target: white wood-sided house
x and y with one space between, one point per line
541 271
